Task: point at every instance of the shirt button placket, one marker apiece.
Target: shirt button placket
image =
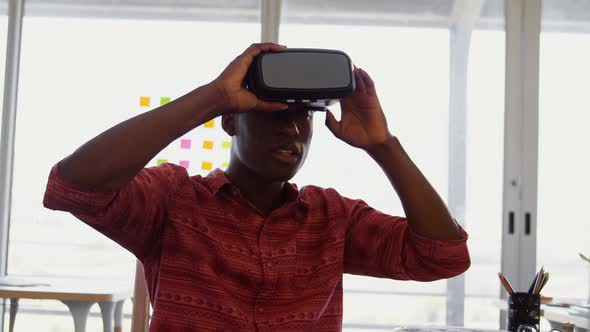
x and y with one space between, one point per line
262 320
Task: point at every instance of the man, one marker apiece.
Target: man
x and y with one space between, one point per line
244 250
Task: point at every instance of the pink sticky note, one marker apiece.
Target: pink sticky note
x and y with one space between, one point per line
184 163
185 143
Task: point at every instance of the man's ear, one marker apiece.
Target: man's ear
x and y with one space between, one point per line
228 123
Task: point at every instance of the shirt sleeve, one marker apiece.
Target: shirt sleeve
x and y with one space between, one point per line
380 245
132 216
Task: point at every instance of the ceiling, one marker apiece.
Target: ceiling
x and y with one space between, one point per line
558 15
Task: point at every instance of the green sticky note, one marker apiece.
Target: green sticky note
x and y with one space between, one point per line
162 161
164 100
226 144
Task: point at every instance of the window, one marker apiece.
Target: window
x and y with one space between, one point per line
563 179
111 61
408 51
92 75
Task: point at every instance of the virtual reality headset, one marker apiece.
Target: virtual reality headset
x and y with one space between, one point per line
316 78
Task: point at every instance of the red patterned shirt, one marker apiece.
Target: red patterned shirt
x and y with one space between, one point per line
214 263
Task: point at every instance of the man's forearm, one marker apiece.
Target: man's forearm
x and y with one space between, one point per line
113 158
425 211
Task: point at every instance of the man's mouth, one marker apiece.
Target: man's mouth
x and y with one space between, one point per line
288 153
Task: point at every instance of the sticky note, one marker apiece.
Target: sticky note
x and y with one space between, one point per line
225 164
185 143
161 161
208 145
184 163
144 101
210 124
226 144
164 100
207 165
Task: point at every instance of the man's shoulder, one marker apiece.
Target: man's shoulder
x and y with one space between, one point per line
185 183
318 193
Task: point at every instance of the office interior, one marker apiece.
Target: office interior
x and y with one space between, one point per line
488 97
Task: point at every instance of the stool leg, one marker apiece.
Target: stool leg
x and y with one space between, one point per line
119 316
13 311
79 310
107 310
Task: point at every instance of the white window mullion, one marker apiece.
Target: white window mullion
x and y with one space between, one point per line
13 46
523 19
270 20
530 138
512 143
465 15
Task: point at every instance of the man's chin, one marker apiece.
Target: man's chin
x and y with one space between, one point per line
281 174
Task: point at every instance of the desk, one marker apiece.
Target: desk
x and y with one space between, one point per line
78 294
435 328
558 316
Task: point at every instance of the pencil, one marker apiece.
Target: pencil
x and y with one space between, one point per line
538 283
545 278
505 283
532 287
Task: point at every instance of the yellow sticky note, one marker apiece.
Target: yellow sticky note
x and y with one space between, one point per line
144 101
225 164
206 165
208 145
226 144
162 161
210 124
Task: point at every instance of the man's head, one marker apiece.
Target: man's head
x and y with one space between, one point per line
272 145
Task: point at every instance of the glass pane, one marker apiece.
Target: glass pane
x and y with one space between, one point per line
562 215
405 46
94 74
485 160
403 77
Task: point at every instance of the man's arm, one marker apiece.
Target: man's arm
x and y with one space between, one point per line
104 182
363 125
113 158
425 211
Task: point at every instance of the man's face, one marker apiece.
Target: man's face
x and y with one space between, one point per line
273 145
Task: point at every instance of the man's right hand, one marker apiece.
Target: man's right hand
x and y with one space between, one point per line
230 83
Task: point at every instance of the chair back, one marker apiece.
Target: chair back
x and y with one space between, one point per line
141 302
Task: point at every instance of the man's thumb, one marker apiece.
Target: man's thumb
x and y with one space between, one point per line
333 124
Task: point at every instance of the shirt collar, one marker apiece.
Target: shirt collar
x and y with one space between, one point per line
218 181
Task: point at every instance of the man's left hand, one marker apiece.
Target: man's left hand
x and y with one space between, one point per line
362 124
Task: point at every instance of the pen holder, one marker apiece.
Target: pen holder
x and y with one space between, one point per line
523 309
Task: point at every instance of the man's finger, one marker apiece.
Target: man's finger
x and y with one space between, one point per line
360 83
241 63
255 49
367 80
268 106
333 125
